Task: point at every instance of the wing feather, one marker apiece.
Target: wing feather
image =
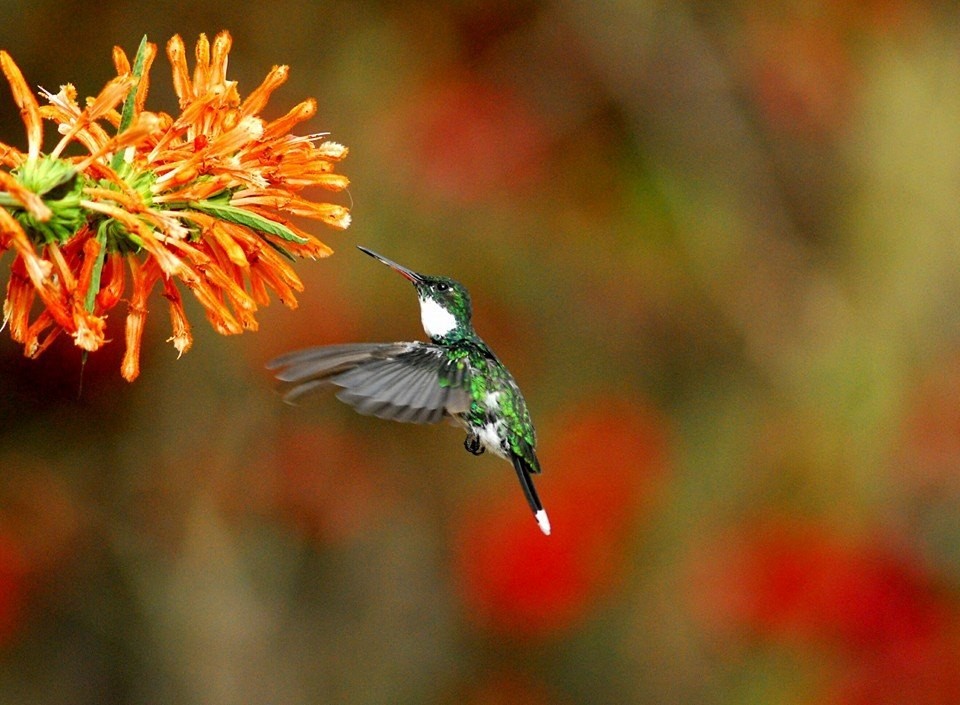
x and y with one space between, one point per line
311 363
378 380
410 382
304 389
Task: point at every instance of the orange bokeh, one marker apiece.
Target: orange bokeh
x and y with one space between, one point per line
324 483
929 458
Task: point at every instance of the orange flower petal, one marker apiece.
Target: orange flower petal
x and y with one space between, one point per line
182 85
25 100
20 296
144 279
258 98
181 338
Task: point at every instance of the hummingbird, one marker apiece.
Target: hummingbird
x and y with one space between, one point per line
455 376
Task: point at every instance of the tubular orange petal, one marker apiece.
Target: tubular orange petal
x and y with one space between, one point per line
231 247
32 345
258 289
273 278
63 269
120 61
181 338
221 47
182 85
111 291
201 72
19 301
144 278
91 251
281 126
25 100
111 95
258 98
89 333
11 156
38 269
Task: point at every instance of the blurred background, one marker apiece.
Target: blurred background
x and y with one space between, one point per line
717 243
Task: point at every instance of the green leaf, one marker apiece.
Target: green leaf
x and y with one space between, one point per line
282 250
129 103
97 271
239 216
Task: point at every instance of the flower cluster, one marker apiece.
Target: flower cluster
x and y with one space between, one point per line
203 199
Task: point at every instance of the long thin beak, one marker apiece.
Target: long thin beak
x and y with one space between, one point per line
402 271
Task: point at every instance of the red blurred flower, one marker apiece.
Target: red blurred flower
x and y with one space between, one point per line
469 137
600 465
927 673
795 580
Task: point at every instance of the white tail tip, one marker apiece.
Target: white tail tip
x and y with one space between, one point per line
543 521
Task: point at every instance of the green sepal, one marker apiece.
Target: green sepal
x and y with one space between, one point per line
59 184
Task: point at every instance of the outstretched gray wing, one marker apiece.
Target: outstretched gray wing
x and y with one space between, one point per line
411 382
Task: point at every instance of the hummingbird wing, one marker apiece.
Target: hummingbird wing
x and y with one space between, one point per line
410 382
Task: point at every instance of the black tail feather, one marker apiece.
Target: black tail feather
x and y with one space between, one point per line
526 482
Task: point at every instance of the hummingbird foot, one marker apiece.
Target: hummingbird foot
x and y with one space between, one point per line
472 444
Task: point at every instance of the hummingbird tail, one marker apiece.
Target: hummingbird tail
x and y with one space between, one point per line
530 492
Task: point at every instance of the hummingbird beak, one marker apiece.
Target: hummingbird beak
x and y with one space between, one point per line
408 274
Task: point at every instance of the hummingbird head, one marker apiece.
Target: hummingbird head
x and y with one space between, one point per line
445 308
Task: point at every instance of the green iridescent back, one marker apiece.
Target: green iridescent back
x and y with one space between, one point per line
486 375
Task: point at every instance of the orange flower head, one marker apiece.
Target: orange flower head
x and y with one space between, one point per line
201 200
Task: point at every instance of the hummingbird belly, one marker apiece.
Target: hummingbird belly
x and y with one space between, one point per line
491 437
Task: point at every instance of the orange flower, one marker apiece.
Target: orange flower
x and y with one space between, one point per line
203 198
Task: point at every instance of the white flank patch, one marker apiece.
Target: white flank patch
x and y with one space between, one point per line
543 521
492 400
490 438
437 321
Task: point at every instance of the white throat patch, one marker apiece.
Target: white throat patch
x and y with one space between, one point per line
437 321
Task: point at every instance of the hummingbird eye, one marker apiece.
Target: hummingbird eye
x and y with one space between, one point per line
442 286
